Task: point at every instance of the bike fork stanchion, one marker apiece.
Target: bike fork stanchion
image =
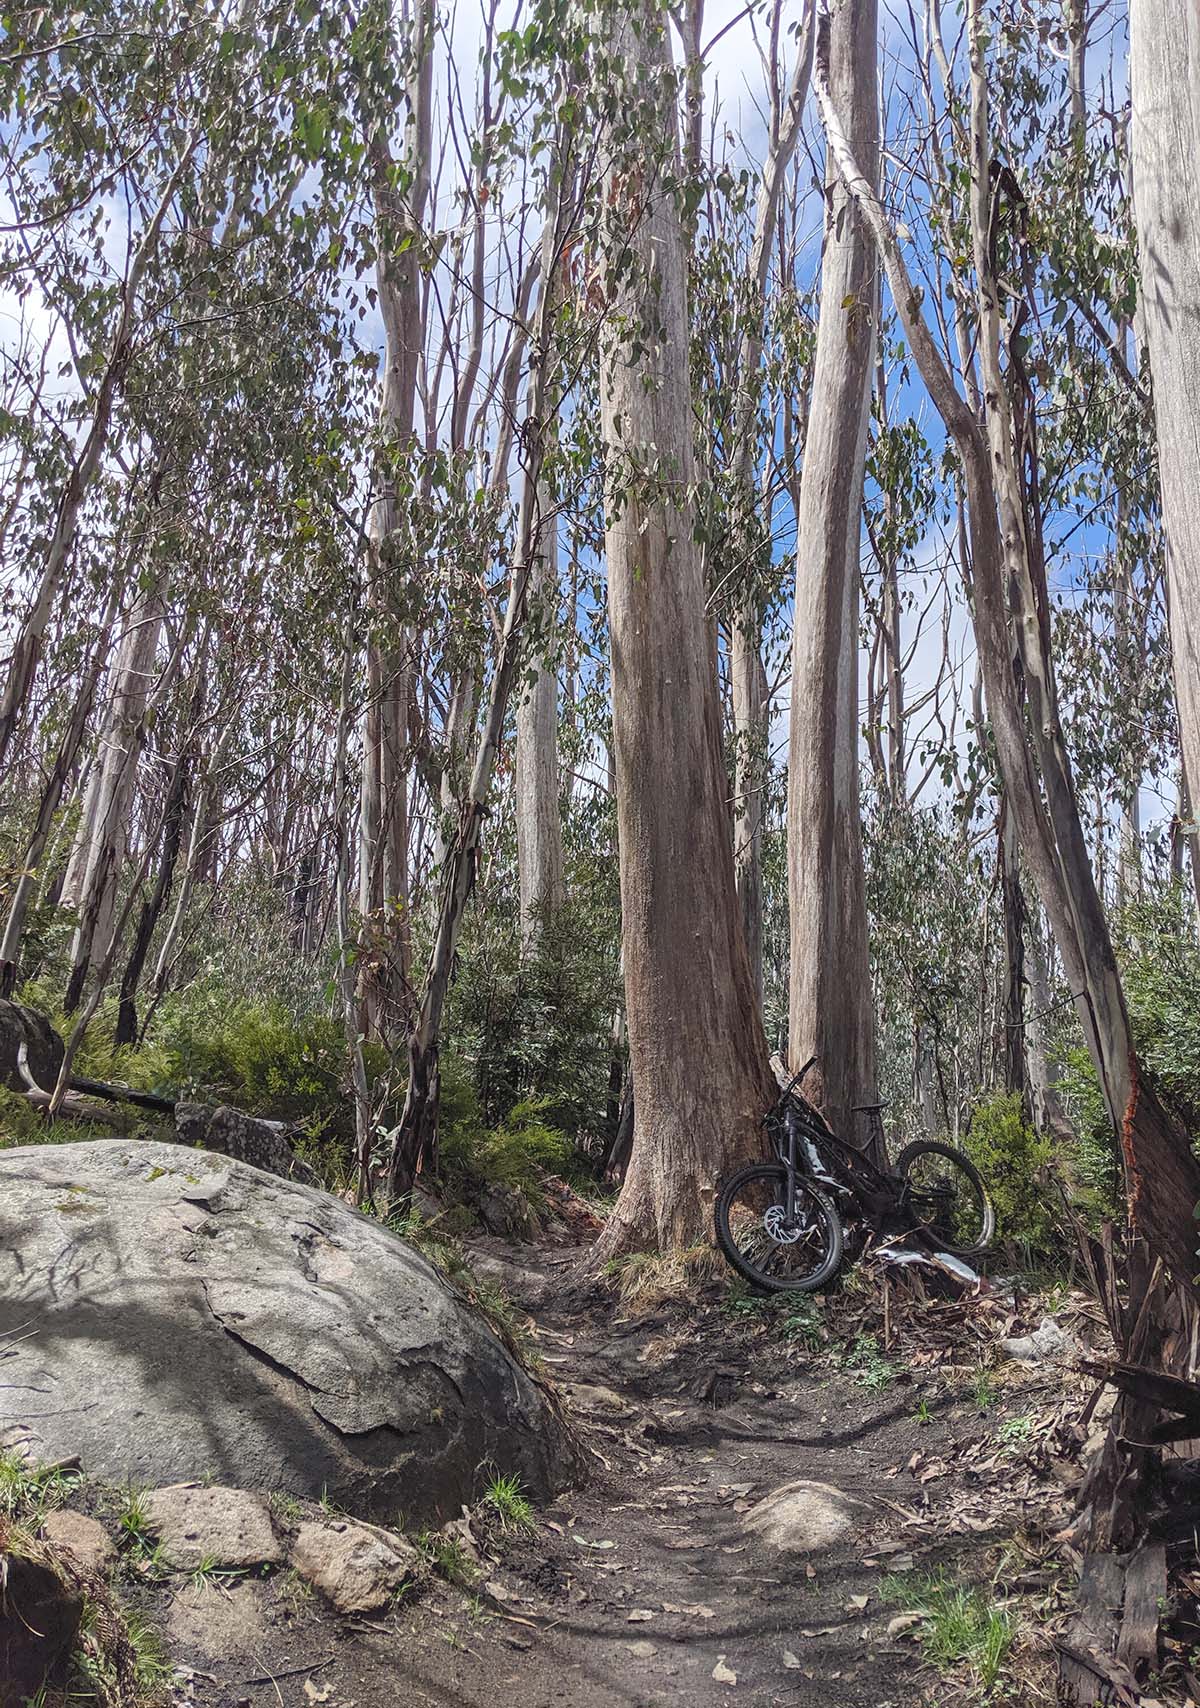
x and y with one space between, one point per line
789 1192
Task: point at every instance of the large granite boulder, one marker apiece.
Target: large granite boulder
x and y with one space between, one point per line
174 1316
44 1048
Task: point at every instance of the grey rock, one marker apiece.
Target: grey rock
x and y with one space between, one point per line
44 1048
357 1567
231 1132
1047 1343
176 1316
222 1527
804 1517
85 1539
506 1211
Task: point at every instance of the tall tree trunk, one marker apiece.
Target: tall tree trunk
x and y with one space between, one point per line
92 873
172 834
830 1008
1164 69
747 676
539 825
415 1141
383 815
698 1056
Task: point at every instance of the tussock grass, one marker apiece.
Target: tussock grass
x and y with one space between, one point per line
961 1624
645 1279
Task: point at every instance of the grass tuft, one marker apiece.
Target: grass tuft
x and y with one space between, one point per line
503 1495
961 1624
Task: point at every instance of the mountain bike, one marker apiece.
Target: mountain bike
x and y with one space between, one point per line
783 1223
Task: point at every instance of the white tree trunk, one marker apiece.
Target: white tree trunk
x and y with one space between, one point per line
91 882
1164 68
539 825
830 1007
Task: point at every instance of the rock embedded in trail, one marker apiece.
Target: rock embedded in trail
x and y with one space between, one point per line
85 1539
175 1316
357 1567
804 1517
226 1528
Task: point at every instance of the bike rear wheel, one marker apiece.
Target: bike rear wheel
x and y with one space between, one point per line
947 1199
760 1243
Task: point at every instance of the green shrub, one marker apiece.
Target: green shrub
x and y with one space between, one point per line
1015 1164
515 1154
537 1024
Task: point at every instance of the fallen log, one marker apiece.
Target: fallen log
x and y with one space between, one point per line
123 1094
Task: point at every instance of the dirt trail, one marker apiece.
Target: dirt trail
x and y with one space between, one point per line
644 1588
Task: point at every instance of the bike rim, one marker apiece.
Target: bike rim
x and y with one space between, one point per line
945 1202
781 1255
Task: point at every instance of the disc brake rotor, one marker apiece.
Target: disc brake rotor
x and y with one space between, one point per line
777 1227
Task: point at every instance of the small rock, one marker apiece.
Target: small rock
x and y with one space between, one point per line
1048 1341
357 1567
643 1649
506 1211
229 1528
722 1673
802 1517
82 1537
594 1396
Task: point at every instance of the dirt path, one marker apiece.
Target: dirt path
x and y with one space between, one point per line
645 1587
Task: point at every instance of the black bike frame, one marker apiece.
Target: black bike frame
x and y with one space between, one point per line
880 1194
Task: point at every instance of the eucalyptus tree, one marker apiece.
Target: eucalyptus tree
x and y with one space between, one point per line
400 187
749 688
1164 68
697 1052
536 776
830 1007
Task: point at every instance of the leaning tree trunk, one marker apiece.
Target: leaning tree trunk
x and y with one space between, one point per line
127 1022
91 884
86 467
830 1008
1164 69
697 1052
51 799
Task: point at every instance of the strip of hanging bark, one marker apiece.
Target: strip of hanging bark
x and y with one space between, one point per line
1089 1672
123 1094
1152 1387
1145 1597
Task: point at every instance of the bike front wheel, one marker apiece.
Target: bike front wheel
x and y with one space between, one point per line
756 1236
946 1198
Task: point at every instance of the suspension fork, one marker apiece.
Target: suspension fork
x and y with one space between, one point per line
789 1169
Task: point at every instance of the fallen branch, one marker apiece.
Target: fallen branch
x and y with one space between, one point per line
73 1107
